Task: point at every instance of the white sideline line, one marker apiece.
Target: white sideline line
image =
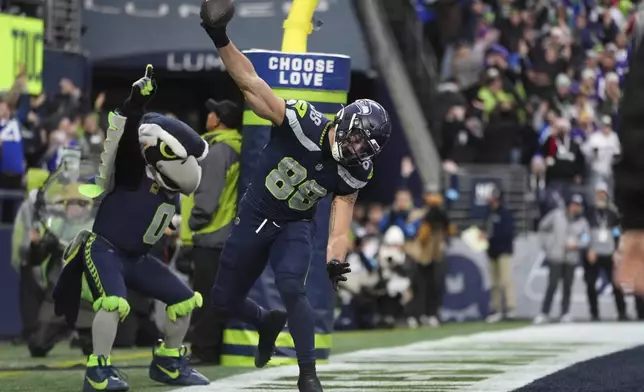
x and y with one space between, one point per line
594 340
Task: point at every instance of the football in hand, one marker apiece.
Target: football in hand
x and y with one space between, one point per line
217 13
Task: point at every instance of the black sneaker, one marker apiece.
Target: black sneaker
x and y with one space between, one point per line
268 332
309 383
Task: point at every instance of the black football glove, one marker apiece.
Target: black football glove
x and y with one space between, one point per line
336 270
142 92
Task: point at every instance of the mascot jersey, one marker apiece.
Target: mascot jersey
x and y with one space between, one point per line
294 170
135 212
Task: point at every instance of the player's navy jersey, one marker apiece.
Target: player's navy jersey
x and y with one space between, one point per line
293 174
134 215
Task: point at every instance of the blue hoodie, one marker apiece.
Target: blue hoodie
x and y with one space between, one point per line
500 232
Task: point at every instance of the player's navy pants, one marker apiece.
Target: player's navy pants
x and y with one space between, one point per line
254 241
115 271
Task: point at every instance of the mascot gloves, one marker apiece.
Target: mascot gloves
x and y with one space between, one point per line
142 92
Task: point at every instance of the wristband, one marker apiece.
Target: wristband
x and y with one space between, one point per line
218 36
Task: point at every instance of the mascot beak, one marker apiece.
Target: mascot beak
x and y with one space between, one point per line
186 174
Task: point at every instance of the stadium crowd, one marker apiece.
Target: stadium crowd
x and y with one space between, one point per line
538 83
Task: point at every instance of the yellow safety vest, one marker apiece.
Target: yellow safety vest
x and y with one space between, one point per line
227 207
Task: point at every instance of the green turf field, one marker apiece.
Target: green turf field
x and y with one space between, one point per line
62 369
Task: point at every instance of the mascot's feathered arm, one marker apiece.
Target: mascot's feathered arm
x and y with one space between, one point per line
122 149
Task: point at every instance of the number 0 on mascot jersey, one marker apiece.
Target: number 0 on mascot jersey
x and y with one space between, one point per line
148 159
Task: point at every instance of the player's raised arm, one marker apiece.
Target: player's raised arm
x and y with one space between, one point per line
215 15
339 237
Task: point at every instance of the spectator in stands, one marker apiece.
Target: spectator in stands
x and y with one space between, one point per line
564 160
621 54
588 81
604 223
611 18
584 127
69 102
93 136
34 136
606 71
546 65
375 215
427 251
583 110
461 137
400 214
92 133
465 67
503 119
509 67
64 136
583 36
601 150
12 159
609 103
499 104
562 101
500 236
511 30
565 234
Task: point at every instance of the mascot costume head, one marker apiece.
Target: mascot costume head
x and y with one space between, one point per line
172 151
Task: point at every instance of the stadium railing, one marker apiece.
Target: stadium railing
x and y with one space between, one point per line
409 109
64 25
474 184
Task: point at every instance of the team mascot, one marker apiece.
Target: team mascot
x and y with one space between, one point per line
147 161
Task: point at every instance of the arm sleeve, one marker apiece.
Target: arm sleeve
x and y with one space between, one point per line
214 168
353 179
129 164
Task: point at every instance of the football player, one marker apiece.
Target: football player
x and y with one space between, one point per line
307 158
147 160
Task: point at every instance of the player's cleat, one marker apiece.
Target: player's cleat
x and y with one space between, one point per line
268 332
171 366
100 375
309 383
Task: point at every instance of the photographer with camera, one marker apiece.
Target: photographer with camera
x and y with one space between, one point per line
64 214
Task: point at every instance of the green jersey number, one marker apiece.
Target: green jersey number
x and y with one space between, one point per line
160 221
286 183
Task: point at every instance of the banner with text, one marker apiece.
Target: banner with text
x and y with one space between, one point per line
309 71
21 47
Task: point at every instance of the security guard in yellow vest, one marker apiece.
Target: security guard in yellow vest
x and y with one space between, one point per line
207 218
